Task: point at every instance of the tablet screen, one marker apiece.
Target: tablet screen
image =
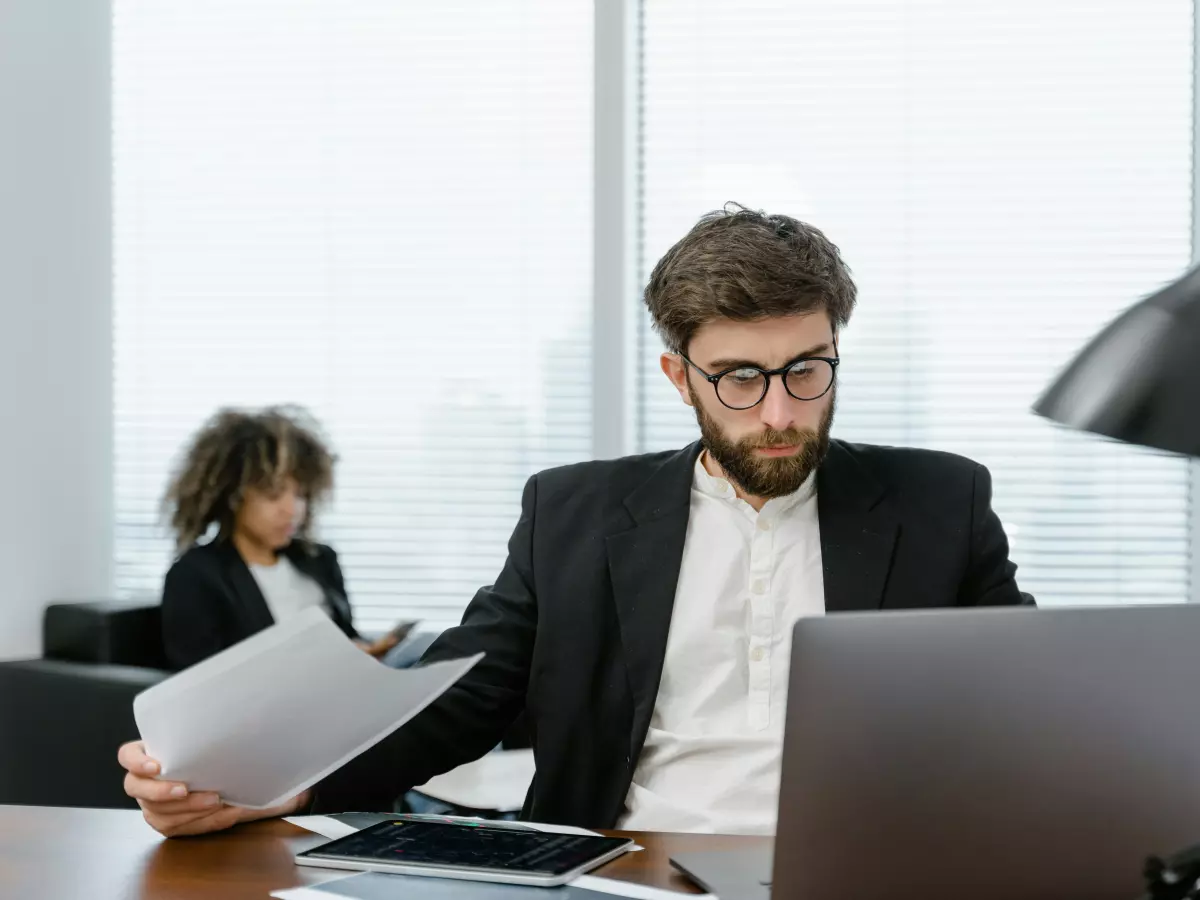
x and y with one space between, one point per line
468 847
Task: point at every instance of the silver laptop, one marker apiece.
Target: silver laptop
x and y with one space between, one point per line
729 874
996 754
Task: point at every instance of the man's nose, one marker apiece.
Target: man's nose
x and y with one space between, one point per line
778 408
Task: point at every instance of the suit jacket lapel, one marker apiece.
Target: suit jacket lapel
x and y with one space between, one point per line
310 564
643 562
251 604
858 532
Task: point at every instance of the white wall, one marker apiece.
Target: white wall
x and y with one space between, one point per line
55 311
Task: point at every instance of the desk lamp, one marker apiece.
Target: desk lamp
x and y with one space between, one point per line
1138 380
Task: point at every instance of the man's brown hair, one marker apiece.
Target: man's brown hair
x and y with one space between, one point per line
236 450
741 264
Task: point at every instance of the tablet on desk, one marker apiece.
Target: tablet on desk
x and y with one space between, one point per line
473 852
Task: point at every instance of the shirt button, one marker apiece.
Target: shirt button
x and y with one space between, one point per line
764 524
759 586
757 654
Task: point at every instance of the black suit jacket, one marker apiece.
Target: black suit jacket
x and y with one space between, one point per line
211 601
575 627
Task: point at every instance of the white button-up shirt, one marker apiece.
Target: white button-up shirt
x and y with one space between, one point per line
712 754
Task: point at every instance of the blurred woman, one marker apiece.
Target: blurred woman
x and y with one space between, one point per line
241 508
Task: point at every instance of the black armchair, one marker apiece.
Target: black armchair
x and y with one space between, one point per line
62 717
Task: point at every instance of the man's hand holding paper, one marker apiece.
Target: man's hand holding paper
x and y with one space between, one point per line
243 735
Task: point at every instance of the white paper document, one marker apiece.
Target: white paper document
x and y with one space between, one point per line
276 713
378 886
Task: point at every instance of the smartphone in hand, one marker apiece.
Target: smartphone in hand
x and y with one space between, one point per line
401 631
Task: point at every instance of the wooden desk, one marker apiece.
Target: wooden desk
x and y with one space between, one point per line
99 854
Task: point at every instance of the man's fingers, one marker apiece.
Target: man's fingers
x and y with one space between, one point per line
184 824
140 788
133 758
200 803
224 817
177 820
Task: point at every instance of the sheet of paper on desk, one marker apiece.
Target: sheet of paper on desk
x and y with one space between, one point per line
276 713
377 886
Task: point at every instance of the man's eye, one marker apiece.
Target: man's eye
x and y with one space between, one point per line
743 376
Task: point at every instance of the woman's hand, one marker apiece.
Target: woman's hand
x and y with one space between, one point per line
379 648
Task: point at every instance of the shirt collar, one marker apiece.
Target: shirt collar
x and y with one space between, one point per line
720 488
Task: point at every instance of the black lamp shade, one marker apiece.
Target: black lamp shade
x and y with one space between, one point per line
1139 379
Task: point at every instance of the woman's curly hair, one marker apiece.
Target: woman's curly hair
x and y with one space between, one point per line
237 450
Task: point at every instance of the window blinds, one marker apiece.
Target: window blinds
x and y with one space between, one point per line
382 211
1002 179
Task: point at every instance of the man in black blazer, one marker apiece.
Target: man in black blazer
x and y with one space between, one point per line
642 617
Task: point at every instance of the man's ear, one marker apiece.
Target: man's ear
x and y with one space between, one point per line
675 369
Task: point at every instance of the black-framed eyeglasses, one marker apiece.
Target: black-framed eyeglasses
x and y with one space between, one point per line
743 387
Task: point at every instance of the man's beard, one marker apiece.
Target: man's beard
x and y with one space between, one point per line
766 476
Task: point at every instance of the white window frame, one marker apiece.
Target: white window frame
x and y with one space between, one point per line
616 295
